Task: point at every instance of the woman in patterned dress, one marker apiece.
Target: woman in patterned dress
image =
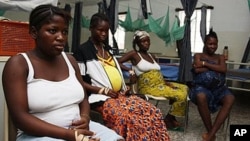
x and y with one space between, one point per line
150 78
209 91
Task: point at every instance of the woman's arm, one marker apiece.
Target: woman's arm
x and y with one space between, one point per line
220 67
14 79
126 58
93 89
198 65
84 105
201 66
130 56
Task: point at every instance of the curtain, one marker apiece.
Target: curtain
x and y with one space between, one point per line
113 18
203 25
2 12
76 33
249 4
185 74
67 8
144 9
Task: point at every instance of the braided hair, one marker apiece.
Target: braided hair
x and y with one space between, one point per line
211 34
96 18
42 14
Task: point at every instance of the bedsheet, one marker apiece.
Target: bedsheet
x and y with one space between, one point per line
242 74
169 71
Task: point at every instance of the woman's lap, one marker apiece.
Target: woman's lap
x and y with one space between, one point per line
214 96
132 116
25 137
101 131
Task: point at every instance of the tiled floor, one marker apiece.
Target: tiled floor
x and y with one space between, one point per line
240 114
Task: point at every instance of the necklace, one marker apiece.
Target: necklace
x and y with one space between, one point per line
102 55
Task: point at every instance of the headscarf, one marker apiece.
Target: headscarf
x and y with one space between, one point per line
140 34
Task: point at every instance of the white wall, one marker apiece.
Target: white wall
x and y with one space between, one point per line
231 21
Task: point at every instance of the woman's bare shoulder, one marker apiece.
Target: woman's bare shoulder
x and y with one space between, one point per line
16 64
16 60
132 52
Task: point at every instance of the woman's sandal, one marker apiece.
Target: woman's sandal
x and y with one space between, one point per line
81 137
173 125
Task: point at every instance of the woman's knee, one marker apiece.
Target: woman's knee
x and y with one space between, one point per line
201 98
228 100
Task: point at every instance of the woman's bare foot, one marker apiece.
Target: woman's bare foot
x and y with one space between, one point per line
171 122
206 137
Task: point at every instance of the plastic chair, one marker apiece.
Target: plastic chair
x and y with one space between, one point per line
160 98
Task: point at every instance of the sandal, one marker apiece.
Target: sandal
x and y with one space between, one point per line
173 125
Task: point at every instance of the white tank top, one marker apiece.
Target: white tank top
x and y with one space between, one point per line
54 102
145 66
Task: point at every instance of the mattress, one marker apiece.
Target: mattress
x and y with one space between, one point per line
242 74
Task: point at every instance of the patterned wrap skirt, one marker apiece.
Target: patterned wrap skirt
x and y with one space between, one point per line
153 83
134 118
212 84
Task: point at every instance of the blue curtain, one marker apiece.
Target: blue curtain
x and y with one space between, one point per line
185 74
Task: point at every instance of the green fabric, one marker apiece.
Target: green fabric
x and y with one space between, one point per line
138 24
162 31
157 26
85 22
153 26
177 32
165 25
127 23
165 35
249 4
147 28
2 12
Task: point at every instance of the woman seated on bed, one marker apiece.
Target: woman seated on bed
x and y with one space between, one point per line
150 79
209 90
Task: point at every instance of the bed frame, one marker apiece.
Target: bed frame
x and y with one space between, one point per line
238 76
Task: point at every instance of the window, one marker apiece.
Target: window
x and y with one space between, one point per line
196 41
119 34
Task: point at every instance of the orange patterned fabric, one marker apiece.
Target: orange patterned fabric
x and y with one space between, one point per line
134 119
